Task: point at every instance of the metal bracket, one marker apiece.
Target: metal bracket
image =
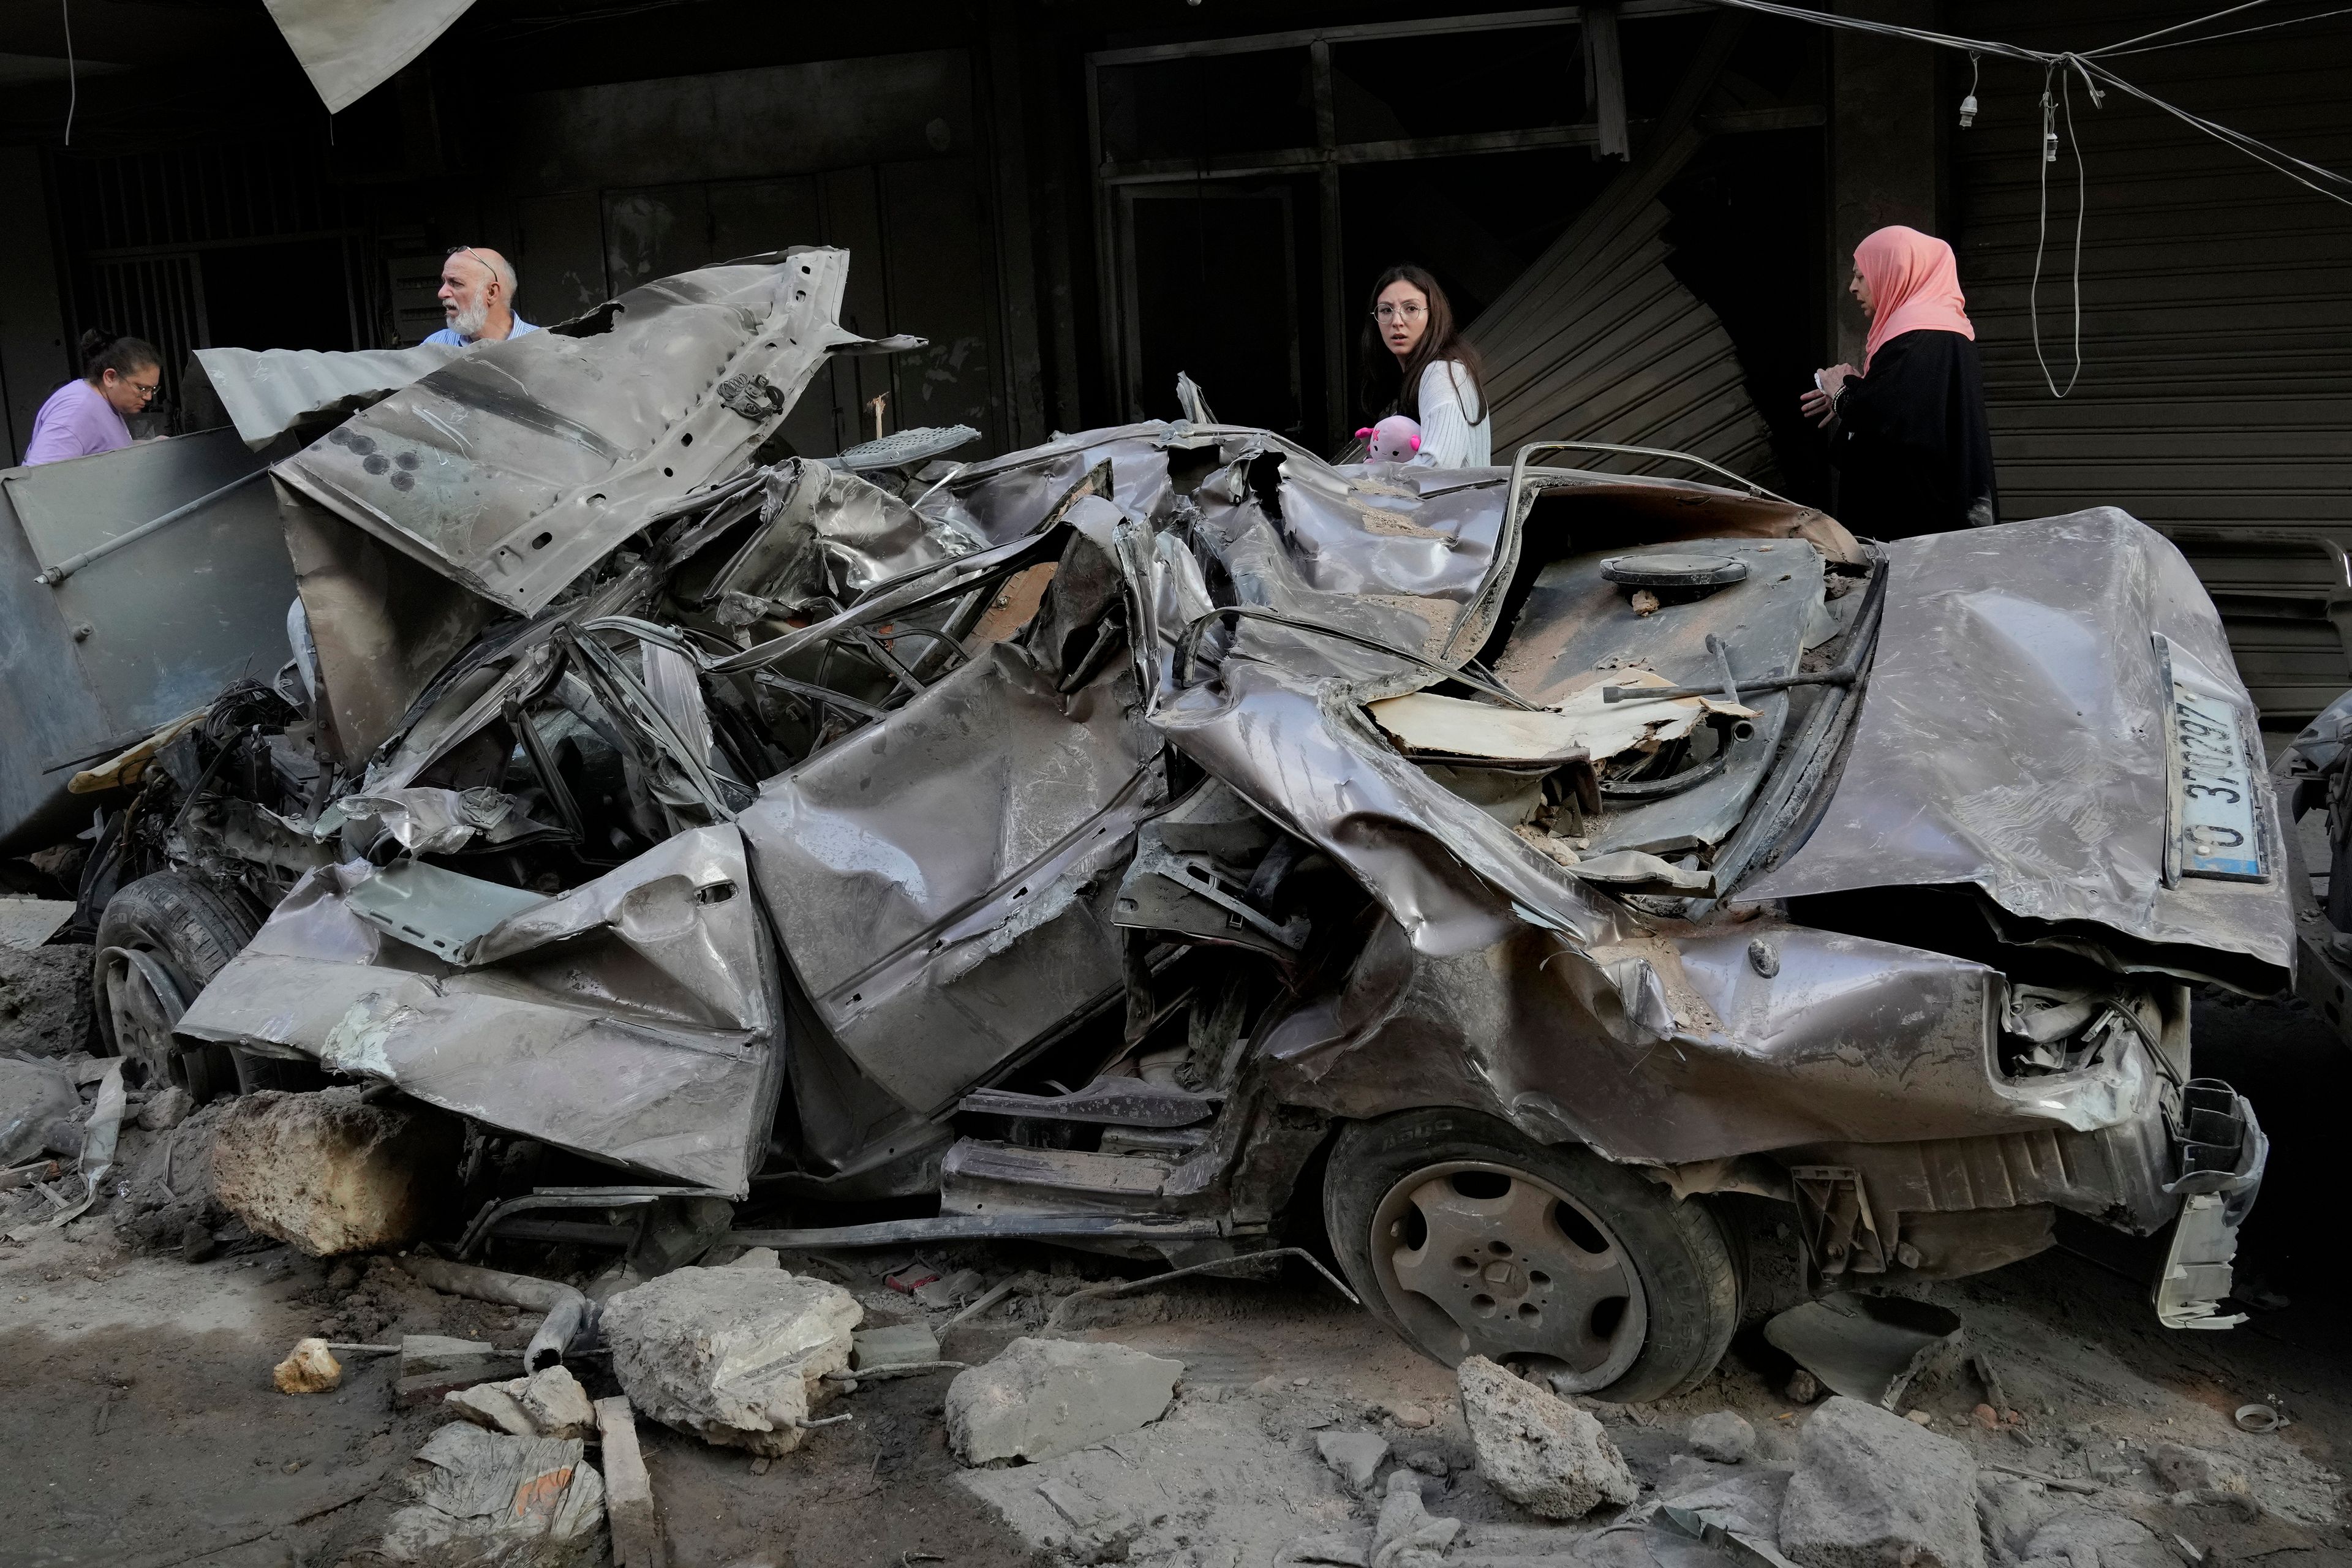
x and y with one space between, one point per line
755 397
1165 892
1834 1212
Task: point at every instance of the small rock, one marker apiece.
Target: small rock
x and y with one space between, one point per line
1919 1418
1538 1449
311 1369
1872 1488
1803 1387
1721 1436
1986 1418
895 1344
1428 1462
197 1243
1407 1535
165 1109
1412 1418
1356 1456
758 1258
1040 1399
557 1406
734 1356
2187 1469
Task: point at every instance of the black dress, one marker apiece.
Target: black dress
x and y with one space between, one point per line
1911 444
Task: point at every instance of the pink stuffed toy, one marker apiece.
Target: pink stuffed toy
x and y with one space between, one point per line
1394 439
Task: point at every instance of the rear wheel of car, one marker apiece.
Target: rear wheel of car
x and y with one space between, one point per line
1468 1239
160 939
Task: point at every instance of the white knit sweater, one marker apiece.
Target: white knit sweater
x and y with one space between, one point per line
1455 432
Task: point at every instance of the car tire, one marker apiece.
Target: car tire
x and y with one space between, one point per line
1465 1236
160 942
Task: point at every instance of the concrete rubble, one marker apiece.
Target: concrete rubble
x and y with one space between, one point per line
893 1344
484 1498
734 1356
1872 1488
1407 1534
1538 1449
628 1489
550 1402
1721 1436
1355 1456
310 1368
1040 1399
329 1173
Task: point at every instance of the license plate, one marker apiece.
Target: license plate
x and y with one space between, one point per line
2216 825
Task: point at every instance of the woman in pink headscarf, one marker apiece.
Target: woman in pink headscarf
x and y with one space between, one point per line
1907 431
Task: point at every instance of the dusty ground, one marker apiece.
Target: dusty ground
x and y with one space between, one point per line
142 1429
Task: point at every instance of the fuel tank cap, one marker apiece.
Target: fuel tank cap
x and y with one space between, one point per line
1674 570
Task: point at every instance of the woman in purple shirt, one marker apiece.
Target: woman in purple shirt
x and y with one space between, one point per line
118 378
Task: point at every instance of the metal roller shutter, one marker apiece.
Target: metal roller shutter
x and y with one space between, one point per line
2215 400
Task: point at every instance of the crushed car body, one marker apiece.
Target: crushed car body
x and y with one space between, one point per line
1141 839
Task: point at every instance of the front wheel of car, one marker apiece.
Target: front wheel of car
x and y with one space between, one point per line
1468 1239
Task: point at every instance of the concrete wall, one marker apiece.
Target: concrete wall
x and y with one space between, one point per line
34 355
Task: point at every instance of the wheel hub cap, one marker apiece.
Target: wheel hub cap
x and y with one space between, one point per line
1495 1262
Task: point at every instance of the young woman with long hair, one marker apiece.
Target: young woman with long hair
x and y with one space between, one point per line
1416 364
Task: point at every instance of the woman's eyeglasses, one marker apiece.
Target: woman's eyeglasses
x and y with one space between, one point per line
1411 311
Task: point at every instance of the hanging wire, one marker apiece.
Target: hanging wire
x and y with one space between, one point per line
2175 28
73 83
2217 37
2050 110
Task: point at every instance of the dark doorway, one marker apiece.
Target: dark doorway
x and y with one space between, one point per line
290 295
1216 287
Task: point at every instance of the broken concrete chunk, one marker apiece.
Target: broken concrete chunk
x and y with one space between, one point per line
1538 1449
1356 1456
2079 1535
555 1403
758 1258
311 1369
328 1174
895 1345
2187 1469
491 1405
1043 1398
1723 1437
518 1502
734 1356
165 1109
1408 1535
1871 1488
628 1489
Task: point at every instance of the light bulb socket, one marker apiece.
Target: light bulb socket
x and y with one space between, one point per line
1968 111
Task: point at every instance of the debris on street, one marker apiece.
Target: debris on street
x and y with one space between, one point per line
329 1173
1538 1449
528 1503
309 1368
1871 1487
1039 1399
737 1357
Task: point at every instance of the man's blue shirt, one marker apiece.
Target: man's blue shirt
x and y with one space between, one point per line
448 335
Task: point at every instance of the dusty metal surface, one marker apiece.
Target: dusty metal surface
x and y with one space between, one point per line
265 393
520 465
137 636
2013 738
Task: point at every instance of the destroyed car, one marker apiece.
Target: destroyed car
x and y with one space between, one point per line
1164 841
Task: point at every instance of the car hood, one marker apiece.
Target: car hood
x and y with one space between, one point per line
2013 737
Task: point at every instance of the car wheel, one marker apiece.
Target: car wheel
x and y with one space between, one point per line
159 941
1468 1239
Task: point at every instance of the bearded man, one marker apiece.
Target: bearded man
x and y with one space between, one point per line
478 290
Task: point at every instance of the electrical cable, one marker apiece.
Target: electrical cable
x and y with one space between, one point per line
2041 227
73 82
2177 27
2232 33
